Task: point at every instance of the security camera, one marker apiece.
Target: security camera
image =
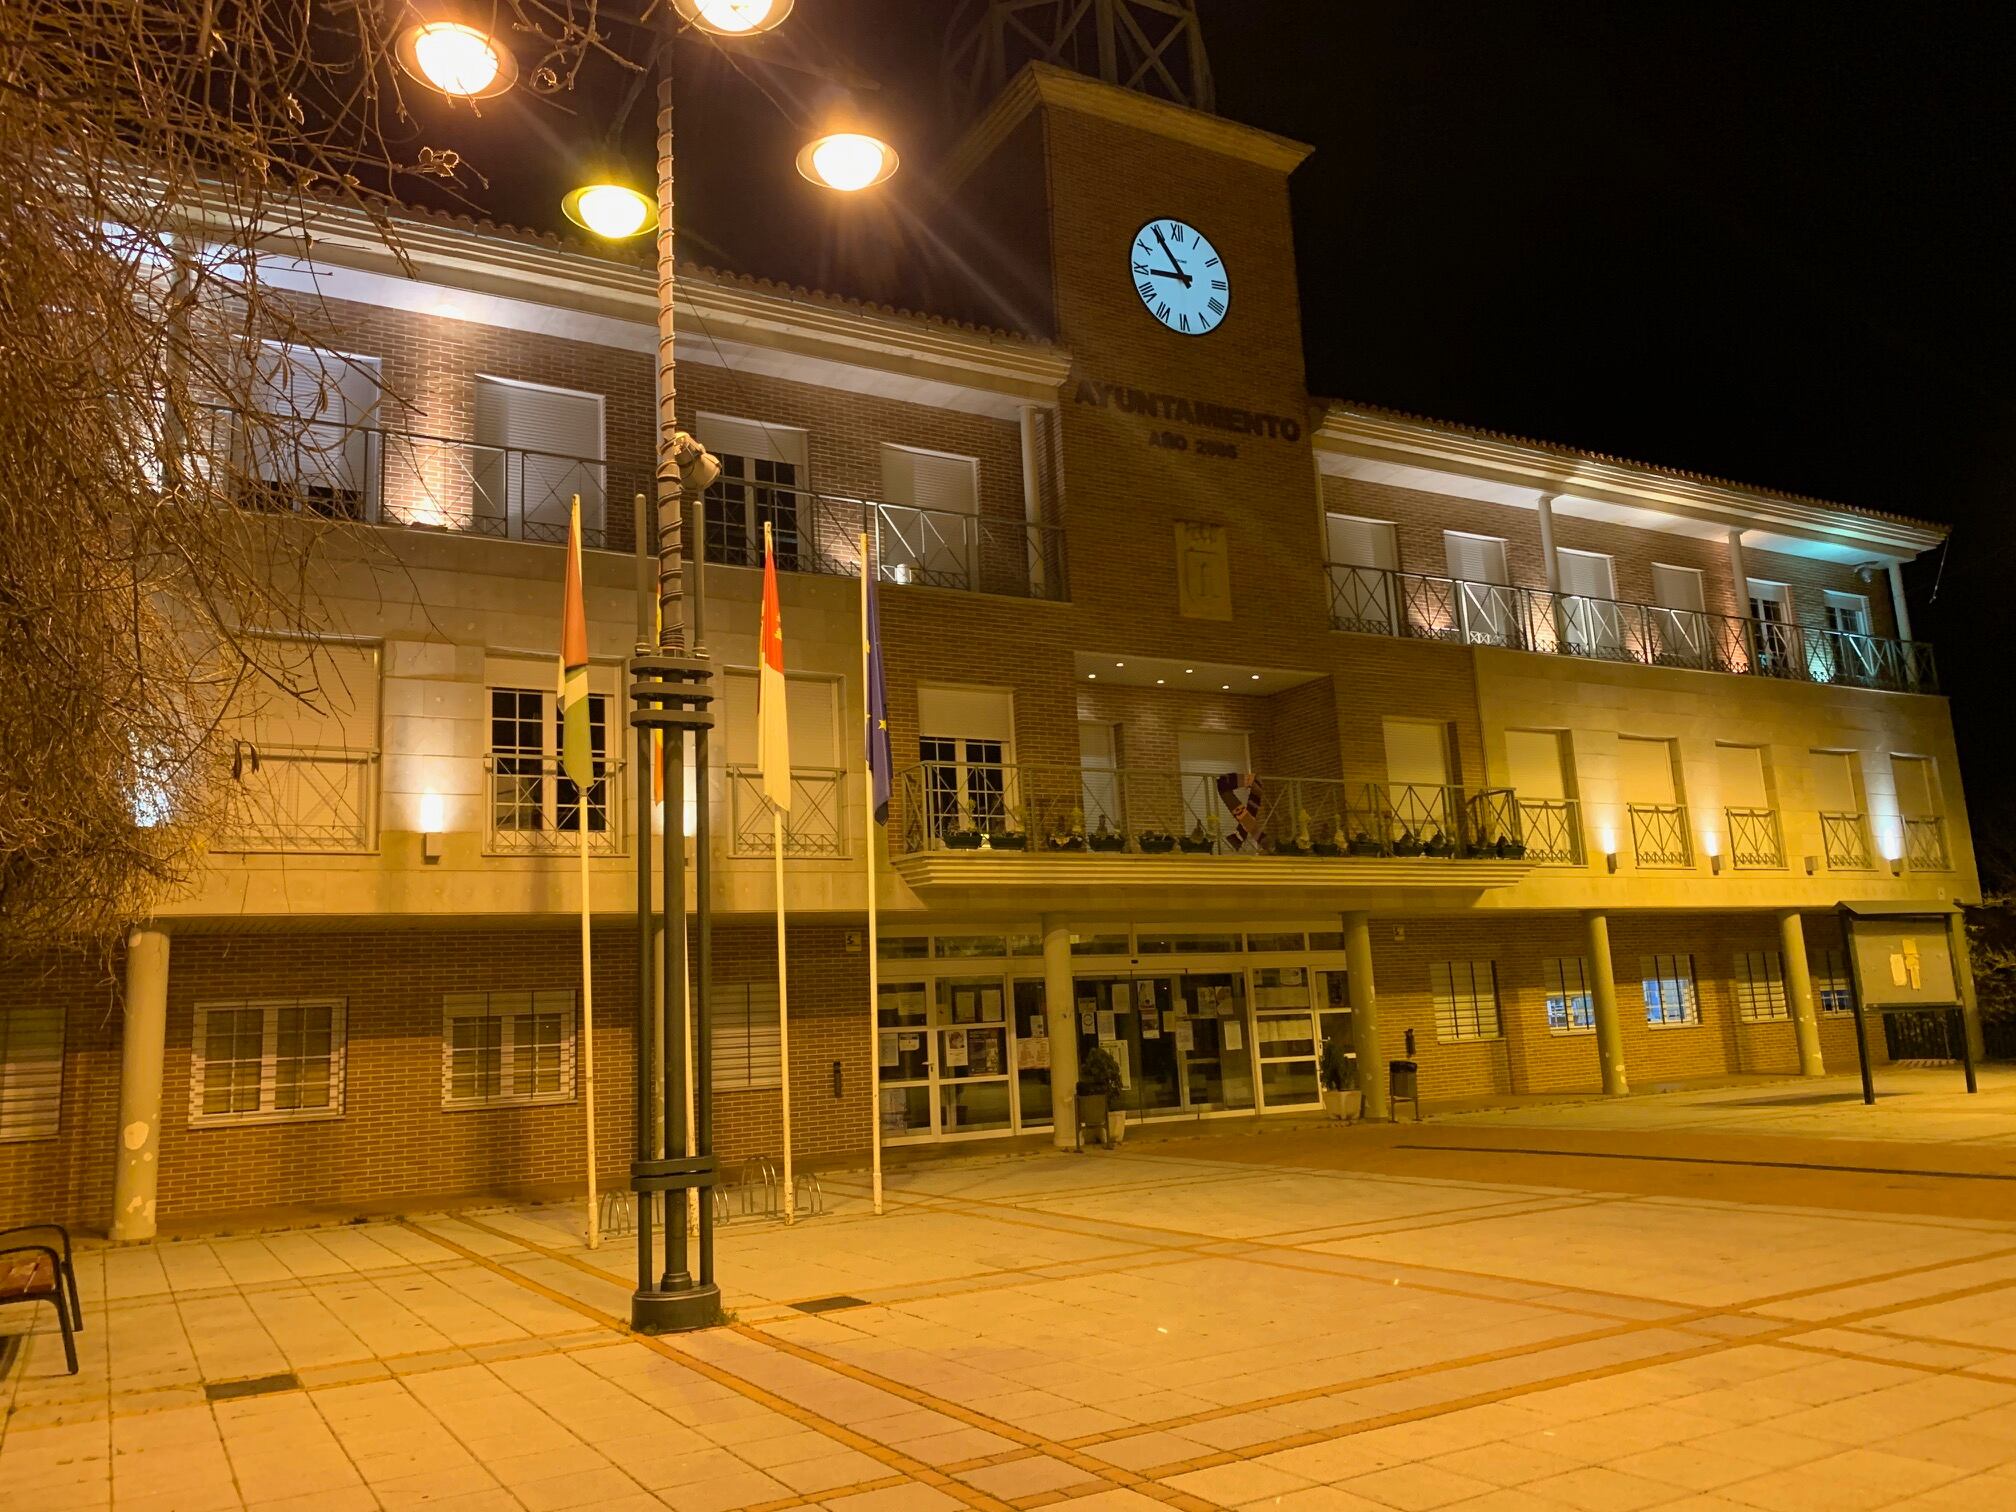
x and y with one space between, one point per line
1865 572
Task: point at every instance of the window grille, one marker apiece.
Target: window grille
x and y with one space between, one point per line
1466 1000
1760 987
1670 993
1571 1009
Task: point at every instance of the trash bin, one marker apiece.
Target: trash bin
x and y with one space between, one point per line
1403 1084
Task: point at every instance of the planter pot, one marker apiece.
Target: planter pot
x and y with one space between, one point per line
1195 847
1292 849
1326 848
1064 843
1345 1106
1009 842
1091 1112
1109 843
1154 845
1363 848
1116 1127
1407 847
962 840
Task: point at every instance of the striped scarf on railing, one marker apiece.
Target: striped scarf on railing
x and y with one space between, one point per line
1240 793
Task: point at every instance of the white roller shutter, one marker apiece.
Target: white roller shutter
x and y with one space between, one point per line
1363 543
746 1036
31 1070
728 437
808 703
930 480
1645 770
563 431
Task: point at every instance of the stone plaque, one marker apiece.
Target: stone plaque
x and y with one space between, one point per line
1203 571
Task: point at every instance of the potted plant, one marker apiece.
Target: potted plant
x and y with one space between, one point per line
1409 844
1363 844
1071 836
1439 844
1297 844
1510 849
1105 839
1339 1075
1098 1085
1197 843
1329 845
964 834
1155 842
1013 834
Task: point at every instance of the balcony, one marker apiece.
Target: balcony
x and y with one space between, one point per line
1659 837
377 476
299 800
1756 842
935 548
1844 840
815 828
534 810
1419 606
1552 831
1069 811
1925 843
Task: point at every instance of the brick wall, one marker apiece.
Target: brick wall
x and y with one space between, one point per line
68 1179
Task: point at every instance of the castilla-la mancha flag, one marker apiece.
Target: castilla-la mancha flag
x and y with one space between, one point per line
577 756
773 731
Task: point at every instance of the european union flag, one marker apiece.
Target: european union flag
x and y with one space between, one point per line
879 765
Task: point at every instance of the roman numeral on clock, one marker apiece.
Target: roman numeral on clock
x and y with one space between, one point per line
1184 322
1217 307
1162 311
1147 289
1210 262
1216 283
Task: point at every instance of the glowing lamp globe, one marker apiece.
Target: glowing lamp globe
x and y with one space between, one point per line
610 211
459 60
733 18
849 161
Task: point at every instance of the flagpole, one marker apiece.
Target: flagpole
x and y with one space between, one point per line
868 851
588 1024
774 752
783 1009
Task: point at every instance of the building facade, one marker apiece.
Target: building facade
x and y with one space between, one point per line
1228 720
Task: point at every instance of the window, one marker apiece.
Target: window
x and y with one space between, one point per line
1670 995
747 1037
528 791
926 532
536 448
1847 613
1832 988
507 1047
31 1070
965 783
1760 987
264 1062
763 467
1570 1007
314 453
1466 1000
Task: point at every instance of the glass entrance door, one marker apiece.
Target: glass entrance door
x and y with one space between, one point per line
1284 1029
963 1054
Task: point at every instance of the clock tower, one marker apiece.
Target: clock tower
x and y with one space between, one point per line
1153 241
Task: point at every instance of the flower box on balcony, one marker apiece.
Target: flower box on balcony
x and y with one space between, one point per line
1363 844
1108 842
962 840
1011 841
1408 844
1066 842
1197 845
1441 847
1155 842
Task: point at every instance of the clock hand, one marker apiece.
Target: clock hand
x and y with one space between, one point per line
1176 268
1176 273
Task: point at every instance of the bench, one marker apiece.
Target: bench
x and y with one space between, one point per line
32 1269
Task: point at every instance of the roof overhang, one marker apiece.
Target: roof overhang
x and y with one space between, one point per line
994 879
1419 454
516 284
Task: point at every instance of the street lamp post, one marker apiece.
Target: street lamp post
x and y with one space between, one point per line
670 683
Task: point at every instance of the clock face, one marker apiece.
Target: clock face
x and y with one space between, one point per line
1179 276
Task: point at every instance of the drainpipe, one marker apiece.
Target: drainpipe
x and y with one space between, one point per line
1032 500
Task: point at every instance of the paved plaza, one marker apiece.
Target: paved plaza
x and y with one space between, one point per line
1760 1297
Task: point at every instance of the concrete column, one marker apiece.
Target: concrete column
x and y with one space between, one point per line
1739 565
1603 987
1799 987
1032 491
1963 978
1898 601
1062 1012
1365 1014
142 1038
1547 552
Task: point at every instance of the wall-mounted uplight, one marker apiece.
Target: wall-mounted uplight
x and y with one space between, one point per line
433 820
1712 844
1606 842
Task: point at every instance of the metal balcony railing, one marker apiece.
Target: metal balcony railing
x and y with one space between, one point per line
1925 843
1844 840
1552 830
300 800
1069 809
1420 606
534 810
815 826
380 476
1659 836
821 533
1755 841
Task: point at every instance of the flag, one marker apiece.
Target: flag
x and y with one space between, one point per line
878 706
773 733
577 758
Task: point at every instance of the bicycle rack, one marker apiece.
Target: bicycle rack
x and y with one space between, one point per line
618 1213
756 1186
809 1198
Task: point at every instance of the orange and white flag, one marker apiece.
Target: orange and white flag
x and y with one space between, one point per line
773 730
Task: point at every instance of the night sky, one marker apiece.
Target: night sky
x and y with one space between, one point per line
1765 241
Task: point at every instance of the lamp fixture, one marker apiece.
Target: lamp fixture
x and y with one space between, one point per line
461 60
733 18
1610 861
433 820
610 209
848 161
